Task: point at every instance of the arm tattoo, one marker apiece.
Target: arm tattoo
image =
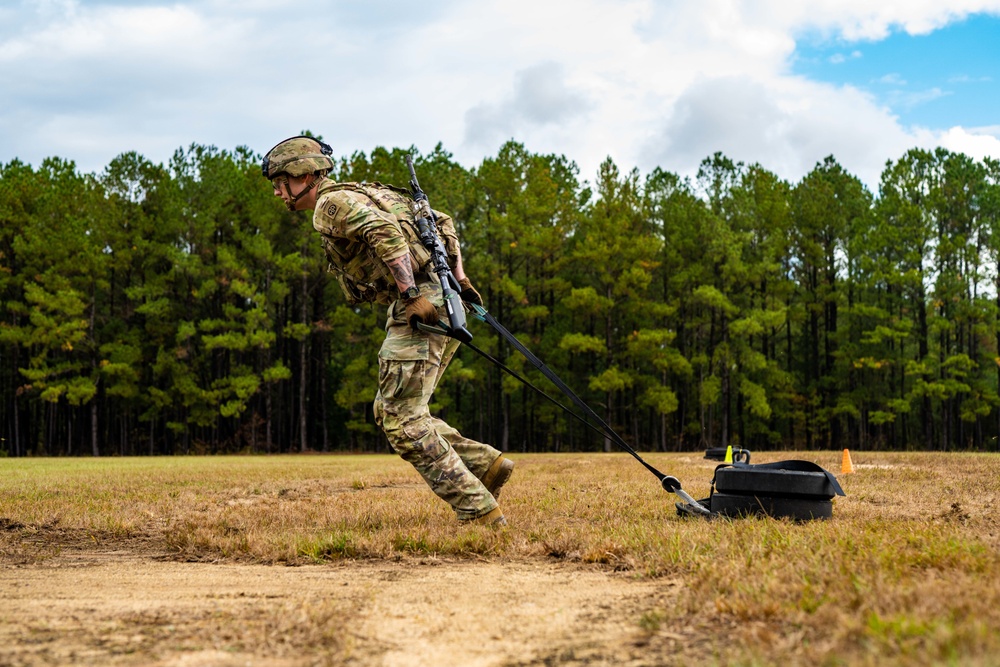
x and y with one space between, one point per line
402 272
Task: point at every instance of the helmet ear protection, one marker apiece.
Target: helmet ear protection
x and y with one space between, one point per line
297 150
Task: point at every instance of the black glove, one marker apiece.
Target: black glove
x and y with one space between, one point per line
469 292
419 309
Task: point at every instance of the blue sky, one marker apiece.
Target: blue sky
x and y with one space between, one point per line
648 83
948 77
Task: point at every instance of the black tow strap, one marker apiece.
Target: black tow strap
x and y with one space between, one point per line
668 482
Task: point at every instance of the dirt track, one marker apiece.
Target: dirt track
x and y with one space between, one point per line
120 608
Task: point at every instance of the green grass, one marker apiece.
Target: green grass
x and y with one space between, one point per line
906 572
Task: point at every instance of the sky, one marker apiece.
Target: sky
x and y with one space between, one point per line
648 83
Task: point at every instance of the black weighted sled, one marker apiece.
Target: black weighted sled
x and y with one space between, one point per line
798 490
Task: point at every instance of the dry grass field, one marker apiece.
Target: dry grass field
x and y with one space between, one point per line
350 560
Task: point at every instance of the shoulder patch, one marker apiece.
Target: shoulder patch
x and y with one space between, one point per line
331 210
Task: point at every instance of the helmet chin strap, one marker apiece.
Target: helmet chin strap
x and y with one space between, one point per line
293 199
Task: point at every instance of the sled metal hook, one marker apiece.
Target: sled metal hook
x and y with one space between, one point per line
673 485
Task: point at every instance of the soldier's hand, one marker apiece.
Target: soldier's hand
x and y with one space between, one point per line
419 309
469 292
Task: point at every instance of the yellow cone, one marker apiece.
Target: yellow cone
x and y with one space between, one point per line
846 465
729 454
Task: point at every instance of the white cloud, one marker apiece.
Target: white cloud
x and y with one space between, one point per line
976 143
868 20
892 79
647 82
965 78
840 58
541 99
909 99
171 35
794 124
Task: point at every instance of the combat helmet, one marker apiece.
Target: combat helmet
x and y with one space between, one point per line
297 156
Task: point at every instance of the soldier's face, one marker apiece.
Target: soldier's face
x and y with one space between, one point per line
288 187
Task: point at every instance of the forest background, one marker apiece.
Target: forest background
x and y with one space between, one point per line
176 309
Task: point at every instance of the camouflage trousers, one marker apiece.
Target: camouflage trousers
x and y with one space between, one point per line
411 364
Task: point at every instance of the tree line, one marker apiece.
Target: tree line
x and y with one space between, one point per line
179 308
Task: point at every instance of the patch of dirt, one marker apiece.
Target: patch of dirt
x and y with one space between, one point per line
93 607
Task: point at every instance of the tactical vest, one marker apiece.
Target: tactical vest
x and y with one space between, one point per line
362 274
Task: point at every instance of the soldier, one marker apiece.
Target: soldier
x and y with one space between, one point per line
371 242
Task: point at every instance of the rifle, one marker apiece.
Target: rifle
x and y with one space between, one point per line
427 231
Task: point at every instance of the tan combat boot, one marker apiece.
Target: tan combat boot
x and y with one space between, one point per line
498 474
494 519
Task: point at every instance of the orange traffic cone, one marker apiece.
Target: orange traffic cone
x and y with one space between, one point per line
846 465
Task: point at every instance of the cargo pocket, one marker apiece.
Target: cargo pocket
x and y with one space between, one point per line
404 344
400 380
402 364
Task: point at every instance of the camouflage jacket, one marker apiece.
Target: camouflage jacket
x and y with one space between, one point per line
365 225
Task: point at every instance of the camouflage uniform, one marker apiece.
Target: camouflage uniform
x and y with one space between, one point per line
363 226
